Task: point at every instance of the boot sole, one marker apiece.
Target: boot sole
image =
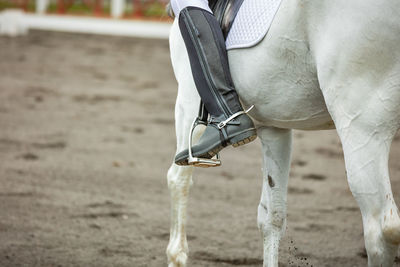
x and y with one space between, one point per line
236 141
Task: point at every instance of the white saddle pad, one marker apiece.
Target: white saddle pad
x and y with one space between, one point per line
252 23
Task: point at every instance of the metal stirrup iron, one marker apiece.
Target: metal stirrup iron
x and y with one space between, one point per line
200 162
203 162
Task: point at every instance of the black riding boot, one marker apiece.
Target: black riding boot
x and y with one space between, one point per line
228 124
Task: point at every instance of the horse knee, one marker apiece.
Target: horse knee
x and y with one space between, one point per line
178 176
172 176
278 219
271 220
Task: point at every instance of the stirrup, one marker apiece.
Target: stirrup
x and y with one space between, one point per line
200 162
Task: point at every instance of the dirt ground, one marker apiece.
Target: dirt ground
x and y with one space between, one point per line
87 136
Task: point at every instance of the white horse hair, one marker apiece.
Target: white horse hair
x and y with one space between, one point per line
323 65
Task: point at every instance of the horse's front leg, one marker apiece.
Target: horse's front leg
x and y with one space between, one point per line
180 178
179 181
276 149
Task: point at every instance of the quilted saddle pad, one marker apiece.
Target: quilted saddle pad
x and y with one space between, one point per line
252 23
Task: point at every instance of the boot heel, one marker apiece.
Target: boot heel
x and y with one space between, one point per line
244 138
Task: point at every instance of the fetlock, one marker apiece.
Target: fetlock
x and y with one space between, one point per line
391 226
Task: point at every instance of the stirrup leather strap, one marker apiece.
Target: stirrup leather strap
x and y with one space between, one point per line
222 124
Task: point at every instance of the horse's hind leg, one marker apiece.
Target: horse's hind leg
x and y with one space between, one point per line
366 154
276 148
366 129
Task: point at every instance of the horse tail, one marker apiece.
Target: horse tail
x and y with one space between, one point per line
169 10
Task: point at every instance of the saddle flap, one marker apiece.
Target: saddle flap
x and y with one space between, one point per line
225 12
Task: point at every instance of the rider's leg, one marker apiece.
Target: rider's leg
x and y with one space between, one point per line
209 63
178 5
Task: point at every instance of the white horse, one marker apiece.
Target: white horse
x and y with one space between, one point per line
324 64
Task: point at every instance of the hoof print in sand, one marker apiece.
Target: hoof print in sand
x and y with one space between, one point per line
50 145
95 226
329 152
165 236
313 176
96 99
28 156
299 162
106 209
206 256
105 204
112 214
299 191
351 209
312 227
108 252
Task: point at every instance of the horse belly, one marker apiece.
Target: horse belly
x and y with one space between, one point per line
279 78
288 102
